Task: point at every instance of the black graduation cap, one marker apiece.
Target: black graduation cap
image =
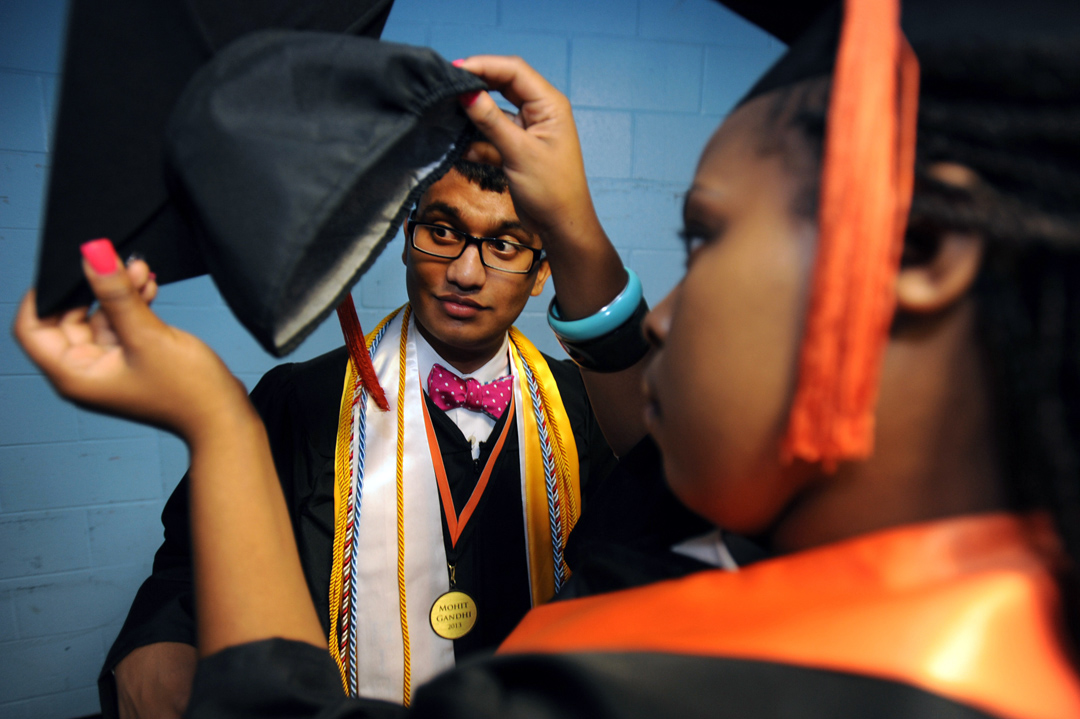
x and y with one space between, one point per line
811 28
287 158
125 64
785 20
299 154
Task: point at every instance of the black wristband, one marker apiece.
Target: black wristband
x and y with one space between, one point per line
615 351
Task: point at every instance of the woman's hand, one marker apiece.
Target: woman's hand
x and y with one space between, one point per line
539 147
540 152
132 364
123 360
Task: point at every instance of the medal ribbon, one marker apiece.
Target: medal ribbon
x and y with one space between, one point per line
455 523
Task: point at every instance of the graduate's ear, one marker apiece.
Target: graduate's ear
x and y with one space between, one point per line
941 276
543 271
939 265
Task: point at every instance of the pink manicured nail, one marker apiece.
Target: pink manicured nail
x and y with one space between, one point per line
468 98
458 63
101 256
153 276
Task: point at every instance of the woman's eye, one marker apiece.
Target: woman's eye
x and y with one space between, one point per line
693 241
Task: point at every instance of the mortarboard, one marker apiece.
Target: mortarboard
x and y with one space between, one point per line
280 161
299 154
287 159
125 64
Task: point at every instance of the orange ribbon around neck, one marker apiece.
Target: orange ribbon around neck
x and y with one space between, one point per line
456 524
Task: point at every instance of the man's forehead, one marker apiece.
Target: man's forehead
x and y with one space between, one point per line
457 197
456 184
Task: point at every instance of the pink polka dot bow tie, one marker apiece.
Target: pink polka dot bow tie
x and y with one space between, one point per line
449 391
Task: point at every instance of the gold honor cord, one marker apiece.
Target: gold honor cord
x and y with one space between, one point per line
406 688
342 455
542 566
343 477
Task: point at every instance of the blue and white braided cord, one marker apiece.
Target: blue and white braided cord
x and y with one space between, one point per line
356 490
550 479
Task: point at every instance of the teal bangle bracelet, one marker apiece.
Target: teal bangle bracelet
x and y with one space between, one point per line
609 318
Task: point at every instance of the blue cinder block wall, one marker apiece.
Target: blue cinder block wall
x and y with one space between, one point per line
80 494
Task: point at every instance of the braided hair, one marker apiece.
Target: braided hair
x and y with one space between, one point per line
1012 116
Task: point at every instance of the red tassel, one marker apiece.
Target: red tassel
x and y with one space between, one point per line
358 352
866 189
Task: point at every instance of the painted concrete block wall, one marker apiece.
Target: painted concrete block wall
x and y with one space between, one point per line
80 494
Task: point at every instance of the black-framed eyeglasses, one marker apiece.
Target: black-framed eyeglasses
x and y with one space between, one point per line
496 253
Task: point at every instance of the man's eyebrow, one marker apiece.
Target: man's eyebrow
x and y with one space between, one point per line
441 208
451 212
529 236
512 225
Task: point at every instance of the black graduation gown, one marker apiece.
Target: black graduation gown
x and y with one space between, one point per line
707 645
634 519
299 405
279 678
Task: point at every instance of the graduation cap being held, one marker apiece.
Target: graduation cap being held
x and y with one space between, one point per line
299 154
125 64
287 164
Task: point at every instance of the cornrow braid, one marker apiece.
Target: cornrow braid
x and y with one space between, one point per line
1010 115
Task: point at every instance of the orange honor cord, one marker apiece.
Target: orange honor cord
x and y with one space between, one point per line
866 189
354 340
456 523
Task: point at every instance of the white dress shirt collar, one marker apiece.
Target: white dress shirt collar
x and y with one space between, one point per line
496 367
475 426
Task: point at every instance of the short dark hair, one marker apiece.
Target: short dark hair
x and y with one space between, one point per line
488 177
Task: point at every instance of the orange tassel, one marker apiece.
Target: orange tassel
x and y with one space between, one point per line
358 352
866 192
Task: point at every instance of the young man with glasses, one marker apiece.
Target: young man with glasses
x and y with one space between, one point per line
427 531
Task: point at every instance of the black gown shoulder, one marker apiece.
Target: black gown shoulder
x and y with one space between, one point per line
284 678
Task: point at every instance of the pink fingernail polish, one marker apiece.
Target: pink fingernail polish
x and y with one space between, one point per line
101 256
468 98
153 276
458 63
